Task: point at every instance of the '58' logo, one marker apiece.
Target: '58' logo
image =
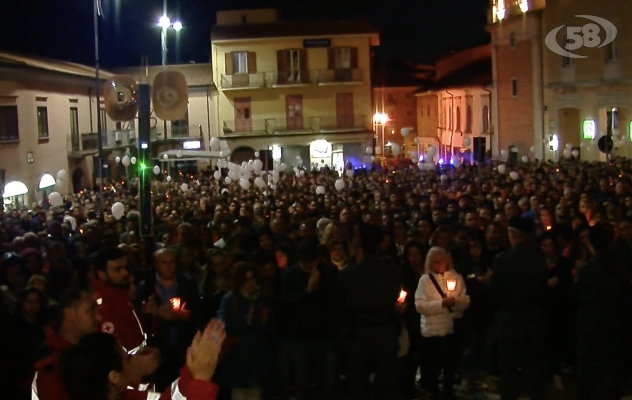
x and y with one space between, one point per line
581 36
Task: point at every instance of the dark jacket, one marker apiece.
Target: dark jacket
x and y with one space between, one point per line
482 308
519 287
310 316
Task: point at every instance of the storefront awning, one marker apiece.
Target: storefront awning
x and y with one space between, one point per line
189 155
15 188
46 181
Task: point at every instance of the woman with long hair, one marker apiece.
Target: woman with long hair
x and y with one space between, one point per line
97 368
440 298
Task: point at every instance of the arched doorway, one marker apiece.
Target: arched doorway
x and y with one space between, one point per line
241 154
78 180
569 127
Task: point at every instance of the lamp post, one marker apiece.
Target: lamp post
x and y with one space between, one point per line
96 5
381 119
165 23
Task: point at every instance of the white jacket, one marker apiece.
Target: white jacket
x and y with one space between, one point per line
436 320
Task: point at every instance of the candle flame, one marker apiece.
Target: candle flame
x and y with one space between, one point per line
451 285
175 303
402 296
548 228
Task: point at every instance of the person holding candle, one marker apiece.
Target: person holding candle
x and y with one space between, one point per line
441 295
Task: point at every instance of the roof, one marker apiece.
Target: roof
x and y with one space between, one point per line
195 74
476 74
292 29
46 64
399 73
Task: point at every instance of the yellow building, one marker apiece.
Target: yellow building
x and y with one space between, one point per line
299 89
398 103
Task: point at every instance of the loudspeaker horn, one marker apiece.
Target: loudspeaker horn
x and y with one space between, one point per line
121 98
170 96
605 144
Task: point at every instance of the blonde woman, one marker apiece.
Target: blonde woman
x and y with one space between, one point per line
440 297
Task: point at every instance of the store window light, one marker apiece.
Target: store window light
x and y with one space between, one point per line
588 129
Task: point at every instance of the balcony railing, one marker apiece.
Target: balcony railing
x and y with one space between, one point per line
330 123
337 76
110 139
289 78
243 81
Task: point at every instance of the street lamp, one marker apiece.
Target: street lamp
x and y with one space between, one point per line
165 23
381 119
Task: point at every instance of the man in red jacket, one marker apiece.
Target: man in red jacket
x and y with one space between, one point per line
111 292
78 316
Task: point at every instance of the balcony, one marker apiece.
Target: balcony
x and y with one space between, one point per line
89 142
297 125
290 79
175 132
243 81
342 76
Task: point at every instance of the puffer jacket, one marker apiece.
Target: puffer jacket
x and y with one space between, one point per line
436 320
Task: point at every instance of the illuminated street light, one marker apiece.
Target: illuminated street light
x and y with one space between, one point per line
177 26
164 22
524 6
381 118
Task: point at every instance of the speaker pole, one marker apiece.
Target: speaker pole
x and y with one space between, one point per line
144 114
97 95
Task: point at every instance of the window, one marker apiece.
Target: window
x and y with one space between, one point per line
240 62
612 120
343 57
514 87
74 121
104 119
458 118
485 118
9 123
468 119
611 51
512 40
42 122
449 116
428 109
180 127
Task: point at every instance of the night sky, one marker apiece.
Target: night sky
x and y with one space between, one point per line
411 30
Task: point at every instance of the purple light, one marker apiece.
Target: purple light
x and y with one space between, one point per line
421 157
452 161
441 161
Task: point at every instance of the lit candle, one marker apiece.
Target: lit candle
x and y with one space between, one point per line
451 285
175 303
548 228
402 297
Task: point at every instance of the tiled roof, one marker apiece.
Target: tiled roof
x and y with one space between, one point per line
195 74
477 74
292 29
63 67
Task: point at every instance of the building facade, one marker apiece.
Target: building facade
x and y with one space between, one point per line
399 105
45 107
295 89
457 104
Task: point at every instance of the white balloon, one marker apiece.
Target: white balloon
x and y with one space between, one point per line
133 160
514 175
467 141
259 182
184 187
444 178
349 173
179 154
118 209
217 175
55 199
320 190
339 185
431 151
569 146
72 221
396 149
503 153
221 154
372 158
228 180
282 167
414 160
301 173
575 153
168 178
165 156
369 150
430 166
244 183
525 159
156 170
62 175
214 144
405 131
125 161
421 166
532 149
567 153
416 140
502 168
257 165
117 159
298 158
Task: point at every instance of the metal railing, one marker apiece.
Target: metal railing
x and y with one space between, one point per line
344 122
336 76
283 78
231 127
237 81
89 141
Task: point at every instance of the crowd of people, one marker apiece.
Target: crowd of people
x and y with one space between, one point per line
402 283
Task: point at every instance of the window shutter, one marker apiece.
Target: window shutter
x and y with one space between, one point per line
281 67
303 66
331 58
252 62
354 58
229 64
